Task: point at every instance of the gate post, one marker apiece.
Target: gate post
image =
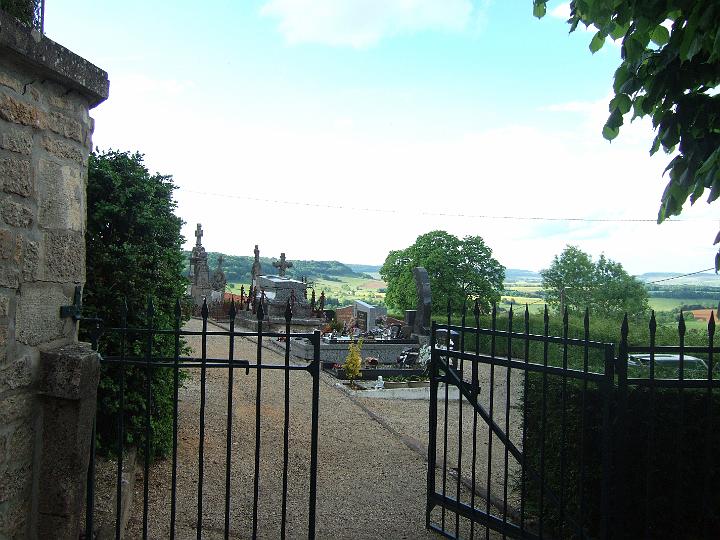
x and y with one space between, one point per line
315 372
432 428
69 387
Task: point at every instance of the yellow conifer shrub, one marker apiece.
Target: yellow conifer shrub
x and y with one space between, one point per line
353 362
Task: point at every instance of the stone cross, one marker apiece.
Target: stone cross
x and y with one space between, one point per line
282 265
198 235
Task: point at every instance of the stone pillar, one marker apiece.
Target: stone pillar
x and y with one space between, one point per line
68 384
46 92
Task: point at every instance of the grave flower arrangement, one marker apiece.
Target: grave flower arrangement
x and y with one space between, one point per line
424 356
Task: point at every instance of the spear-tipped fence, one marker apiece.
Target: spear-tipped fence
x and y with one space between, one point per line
132 356
581 438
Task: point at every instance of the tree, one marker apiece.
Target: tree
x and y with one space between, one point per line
458 269
670 71
134 252
575 282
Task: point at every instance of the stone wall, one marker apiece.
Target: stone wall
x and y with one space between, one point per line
45 137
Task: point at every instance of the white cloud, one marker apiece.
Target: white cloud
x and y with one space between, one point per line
561 11
362 23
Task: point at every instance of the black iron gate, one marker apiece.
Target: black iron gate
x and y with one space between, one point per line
539 436
135 354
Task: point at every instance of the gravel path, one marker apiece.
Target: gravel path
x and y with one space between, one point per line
370 483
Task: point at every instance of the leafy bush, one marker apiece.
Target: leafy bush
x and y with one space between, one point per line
133 253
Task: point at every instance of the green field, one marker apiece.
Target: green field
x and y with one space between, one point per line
345 289
668 304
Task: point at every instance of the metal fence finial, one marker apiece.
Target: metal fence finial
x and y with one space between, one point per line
681 324
653 323
711 326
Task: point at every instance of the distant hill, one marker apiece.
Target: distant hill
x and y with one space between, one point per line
513 275
238 268
664 279
365 268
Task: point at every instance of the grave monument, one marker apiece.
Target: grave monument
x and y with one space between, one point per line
274 292
200 285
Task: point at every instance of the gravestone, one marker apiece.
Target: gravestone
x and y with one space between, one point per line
277 290
366 314
256 268
424 298
219 282
282 265
200 285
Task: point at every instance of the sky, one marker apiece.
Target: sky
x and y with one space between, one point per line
343 129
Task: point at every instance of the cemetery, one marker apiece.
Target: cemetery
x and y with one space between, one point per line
390 349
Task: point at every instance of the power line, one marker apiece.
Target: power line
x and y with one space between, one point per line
681 276
436 214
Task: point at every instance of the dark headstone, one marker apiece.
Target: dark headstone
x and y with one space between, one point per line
424 306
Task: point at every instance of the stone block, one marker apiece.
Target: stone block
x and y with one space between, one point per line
15 175
13 519
60 194
15 214
19 373
63 149
21 442
37 314
4 306
9 277
6 244
18 112
64 125
16 140
17 408
71 372
11 82
16 481
30 259
63 259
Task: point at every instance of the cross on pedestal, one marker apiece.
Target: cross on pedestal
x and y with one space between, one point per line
282 265
198 235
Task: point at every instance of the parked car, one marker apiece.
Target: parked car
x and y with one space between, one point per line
690 363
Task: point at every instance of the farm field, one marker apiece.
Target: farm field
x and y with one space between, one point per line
347 289
668 304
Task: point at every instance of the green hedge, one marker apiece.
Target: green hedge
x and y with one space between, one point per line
676 464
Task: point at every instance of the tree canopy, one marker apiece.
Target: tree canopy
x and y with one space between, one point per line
134 252
574 281
670 72
458 270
